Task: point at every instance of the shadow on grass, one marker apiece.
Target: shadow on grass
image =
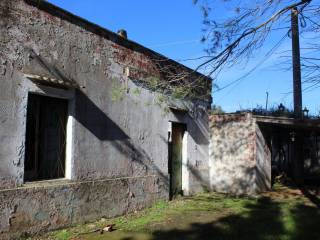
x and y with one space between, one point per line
306 220
309 191
260 220
313 196
222 217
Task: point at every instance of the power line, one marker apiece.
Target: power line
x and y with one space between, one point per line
238 80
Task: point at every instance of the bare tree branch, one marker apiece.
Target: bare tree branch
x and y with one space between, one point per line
221 58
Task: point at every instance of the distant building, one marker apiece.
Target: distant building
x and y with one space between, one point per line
248 152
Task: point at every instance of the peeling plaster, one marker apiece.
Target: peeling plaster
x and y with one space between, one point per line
119 149
236 166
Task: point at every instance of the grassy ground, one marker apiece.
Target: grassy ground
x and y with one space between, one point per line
281 214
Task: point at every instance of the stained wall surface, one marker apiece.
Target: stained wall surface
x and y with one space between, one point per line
239 159
118 130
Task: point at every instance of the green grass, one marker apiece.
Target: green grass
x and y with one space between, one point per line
63 235
137 222
279 215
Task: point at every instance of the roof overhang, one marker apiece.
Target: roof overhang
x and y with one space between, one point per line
289 122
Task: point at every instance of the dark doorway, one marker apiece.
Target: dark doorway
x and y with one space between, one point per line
295 152
45 138
175 159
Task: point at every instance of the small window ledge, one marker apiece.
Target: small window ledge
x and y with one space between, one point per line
47 183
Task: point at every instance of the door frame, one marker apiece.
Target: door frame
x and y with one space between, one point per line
69 95
184 159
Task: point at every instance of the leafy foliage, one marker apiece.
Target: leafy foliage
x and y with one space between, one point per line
216 109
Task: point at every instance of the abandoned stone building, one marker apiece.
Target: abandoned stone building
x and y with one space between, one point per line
248 151
83 134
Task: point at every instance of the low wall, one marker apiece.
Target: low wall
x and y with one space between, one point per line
52 205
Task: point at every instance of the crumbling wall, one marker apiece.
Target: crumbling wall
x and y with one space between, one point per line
236 163
46 206
120 128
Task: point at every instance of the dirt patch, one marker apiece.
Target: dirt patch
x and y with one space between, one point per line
284 193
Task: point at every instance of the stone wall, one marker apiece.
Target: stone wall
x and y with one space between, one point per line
237 163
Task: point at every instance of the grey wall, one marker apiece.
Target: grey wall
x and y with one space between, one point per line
37 208
120 130
263 158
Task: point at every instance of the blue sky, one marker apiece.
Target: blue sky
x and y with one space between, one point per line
173 28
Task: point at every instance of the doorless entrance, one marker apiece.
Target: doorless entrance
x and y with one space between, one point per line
45 138
175 158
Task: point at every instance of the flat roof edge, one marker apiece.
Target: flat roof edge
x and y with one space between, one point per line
101 31
288 121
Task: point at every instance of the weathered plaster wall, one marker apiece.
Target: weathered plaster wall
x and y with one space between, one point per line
263 158
46 206
120 129
236 162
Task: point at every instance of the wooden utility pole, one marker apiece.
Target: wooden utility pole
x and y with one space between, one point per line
297 97
267 99
296 67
